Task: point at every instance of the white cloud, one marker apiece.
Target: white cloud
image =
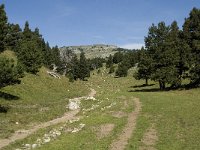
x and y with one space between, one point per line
132 46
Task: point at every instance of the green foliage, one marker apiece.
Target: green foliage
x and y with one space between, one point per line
191 29
30 56
96 63
144 66
14 36
109 62
3 28
112 69
161 46
71 77
83 67
74 67
118 57
122 70
9 72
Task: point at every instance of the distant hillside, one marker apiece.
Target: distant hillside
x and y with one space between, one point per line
91 51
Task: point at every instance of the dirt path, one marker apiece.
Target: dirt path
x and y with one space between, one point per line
149 139
21 134
121 142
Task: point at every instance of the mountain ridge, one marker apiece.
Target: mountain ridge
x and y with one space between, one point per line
91 51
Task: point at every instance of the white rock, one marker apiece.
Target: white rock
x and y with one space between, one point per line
39 141
27 145
73 105
75 130
34 146
47 139
82 125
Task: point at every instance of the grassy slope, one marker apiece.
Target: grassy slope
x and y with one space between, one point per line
174 113
38 98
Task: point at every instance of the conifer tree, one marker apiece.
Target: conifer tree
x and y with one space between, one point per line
3 28
14 36
74 67
109 61
161 51
118 57
122 70
191 29
29 51
83 67
10 72
144 66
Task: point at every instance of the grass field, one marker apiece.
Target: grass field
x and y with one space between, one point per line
174 115
38 98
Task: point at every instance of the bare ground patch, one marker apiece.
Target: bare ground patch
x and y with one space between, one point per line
149 139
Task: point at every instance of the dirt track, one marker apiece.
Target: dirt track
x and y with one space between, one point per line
121 142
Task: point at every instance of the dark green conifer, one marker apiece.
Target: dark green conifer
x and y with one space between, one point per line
3 28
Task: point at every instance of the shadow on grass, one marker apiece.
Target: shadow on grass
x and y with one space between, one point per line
4 109
182 87
149 90
143 85
7 96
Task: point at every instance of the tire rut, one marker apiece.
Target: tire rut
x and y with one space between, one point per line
121 142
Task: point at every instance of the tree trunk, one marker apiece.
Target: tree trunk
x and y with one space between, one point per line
146 81
162 85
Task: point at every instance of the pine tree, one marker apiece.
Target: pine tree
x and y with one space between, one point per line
29 51
27 33
74 67
83 67
3 28
176 54
191 29
10 72
112 69
14 36
144 66
118 57
109 61
160 46
122 70
48 56
29 56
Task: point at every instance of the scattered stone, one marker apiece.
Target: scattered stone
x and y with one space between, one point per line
73 105
75 130
47 139
34 146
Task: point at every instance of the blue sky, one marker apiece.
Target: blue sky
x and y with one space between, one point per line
80 22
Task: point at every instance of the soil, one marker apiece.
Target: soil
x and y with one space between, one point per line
149 139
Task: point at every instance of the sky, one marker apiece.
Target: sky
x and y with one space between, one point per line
123 23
